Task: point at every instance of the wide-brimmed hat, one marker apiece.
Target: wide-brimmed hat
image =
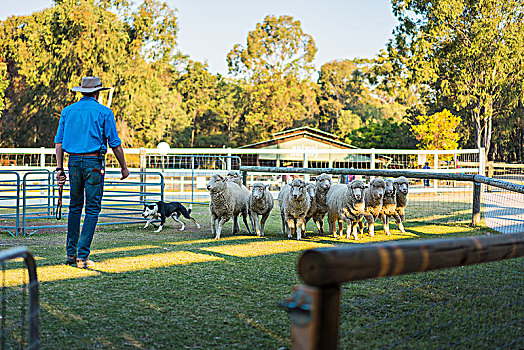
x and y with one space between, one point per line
90 84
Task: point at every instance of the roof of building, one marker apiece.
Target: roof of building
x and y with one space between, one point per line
307 129
305 132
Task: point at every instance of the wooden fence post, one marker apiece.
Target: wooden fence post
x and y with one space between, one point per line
491 172
313 307
477 188
475 220
314 313
244 177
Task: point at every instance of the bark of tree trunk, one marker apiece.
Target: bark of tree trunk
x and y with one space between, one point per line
488 135
478 127
521 145
193 130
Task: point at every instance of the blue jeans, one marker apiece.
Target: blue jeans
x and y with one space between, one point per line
86 177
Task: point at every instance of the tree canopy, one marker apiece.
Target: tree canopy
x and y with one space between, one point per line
276 49
49 52
451 68
277 64
437 131
463 55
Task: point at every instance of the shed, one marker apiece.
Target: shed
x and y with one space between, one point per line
306 138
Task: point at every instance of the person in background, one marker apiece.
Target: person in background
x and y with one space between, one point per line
84 131
426 181
346 179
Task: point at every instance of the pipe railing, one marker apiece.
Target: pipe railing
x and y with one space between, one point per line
477 180
33 310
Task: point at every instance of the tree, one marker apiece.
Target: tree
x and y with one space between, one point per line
153 31
384 134
275 106
277 48
463 55
508 135
437 131
197 87
351 105
340 86
48 52
277 65
228 107
147 108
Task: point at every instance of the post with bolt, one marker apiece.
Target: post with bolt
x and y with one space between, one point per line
314 314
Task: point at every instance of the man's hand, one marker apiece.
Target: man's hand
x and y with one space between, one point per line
61 177
125 173
119 153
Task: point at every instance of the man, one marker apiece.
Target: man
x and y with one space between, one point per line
84 131
426 181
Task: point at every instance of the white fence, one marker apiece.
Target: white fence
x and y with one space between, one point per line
187 170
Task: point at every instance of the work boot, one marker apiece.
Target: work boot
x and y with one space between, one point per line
70 259
85 263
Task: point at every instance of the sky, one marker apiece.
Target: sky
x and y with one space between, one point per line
209 29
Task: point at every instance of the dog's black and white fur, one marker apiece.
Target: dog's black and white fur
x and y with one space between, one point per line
164 210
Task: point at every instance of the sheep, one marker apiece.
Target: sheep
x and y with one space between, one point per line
319 207
402 188
345 202
235 177
389 204
227 200
373 197
260 203
295 200
311 189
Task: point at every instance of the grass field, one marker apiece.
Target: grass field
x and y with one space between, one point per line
185 290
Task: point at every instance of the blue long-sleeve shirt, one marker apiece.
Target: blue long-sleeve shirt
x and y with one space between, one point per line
87 126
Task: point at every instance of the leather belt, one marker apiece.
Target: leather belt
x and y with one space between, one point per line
92 154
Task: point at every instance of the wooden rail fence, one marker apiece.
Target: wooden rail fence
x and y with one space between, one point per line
314 306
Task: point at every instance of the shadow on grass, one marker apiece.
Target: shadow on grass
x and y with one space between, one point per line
137 249
132 249
188 290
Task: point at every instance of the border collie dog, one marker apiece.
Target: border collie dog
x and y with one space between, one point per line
164 210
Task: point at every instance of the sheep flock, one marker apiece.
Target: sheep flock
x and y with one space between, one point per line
355 204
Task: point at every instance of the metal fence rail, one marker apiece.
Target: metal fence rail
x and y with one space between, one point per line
187 170
29 196
465 200
10 201
187 177
299 156
20 305
122 201
37 199
29 204
315 307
